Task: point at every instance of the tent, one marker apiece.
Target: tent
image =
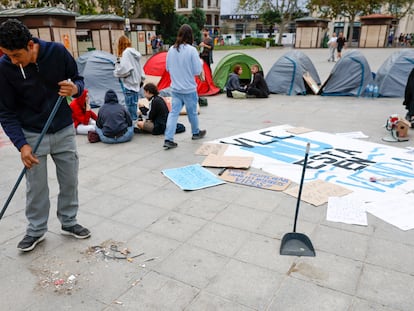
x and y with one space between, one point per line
286 74
156 66
392 76
349 77
226 64
97 69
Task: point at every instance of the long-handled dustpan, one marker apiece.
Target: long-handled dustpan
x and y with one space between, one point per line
293 243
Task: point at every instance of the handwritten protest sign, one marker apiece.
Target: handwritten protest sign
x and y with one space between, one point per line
209 148
258 180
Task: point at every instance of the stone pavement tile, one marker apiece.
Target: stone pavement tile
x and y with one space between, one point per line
269 199
226 192
386 231
220 239
12 226
98 277
248 284
110 230
365 305
192 265
156 248
201 207
366 230
177 226
168 197
241 217
136 193
208 302
308 212
342 243
264 252
276 226
156 292
387 287
329 271
107 205
140 215
298 295
397 259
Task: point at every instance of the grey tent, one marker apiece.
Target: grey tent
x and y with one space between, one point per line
349 77
392 76
97 69
286 74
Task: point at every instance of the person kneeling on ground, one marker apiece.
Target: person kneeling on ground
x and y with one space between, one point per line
114 124
155 117
84 119
258 88
233 87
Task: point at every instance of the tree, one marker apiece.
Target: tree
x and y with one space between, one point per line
347 8
286 9
399 9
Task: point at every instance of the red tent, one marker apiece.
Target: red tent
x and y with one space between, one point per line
155 66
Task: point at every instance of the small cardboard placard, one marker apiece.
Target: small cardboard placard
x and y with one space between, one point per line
299 130
213 160
311 83
317 192
211 148
258 180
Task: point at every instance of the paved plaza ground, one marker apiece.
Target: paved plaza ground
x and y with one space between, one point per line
215 248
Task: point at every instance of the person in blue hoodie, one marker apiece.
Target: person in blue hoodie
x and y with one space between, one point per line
33 74
114 124
129 69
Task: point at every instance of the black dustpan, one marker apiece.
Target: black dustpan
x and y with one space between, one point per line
293 243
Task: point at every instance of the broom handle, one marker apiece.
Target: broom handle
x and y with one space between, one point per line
44 130
301 185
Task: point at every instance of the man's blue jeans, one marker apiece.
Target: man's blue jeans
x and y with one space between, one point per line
178 101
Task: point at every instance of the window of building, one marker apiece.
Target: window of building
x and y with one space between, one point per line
182 4
198 4
259 28
208 19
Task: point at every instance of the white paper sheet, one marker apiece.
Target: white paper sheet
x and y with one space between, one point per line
346 209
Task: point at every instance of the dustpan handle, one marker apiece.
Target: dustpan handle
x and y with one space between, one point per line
301 185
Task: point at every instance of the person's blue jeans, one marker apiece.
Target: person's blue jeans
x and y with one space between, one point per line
178 101
122 139
131 102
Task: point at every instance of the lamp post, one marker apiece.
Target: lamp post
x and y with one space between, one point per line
126 4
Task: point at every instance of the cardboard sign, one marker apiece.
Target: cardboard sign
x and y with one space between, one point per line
311 83
258 180
213 160
317 192
299 130
210 148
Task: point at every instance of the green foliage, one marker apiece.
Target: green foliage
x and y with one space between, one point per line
198 17
257 41
271 17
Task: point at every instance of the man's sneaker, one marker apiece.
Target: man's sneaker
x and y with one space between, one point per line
201 134
77 231
29 242
168 144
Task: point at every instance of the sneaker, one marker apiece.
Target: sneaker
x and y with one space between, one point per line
77 231
168 144
29 242
201 134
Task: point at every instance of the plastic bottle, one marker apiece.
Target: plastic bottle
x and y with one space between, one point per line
366 92
371 90
375 91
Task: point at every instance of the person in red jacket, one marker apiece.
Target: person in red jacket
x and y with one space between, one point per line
84 119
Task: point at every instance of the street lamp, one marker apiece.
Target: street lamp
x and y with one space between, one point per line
127 4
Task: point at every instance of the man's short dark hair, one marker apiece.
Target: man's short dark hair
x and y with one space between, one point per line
14 35
151 88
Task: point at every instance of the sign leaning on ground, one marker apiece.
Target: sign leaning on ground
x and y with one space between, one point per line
350 163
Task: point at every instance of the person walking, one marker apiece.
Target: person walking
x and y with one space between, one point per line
183 64
206 47
129 69
340 44
33 74
332 47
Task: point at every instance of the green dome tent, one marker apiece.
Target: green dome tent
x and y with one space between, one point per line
226 64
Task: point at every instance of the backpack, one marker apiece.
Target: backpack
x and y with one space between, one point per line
154 43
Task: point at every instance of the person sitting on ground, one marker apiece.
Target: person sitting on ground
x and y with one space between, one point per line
258 87
114 124
409 98
233 86
155 116
84 119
